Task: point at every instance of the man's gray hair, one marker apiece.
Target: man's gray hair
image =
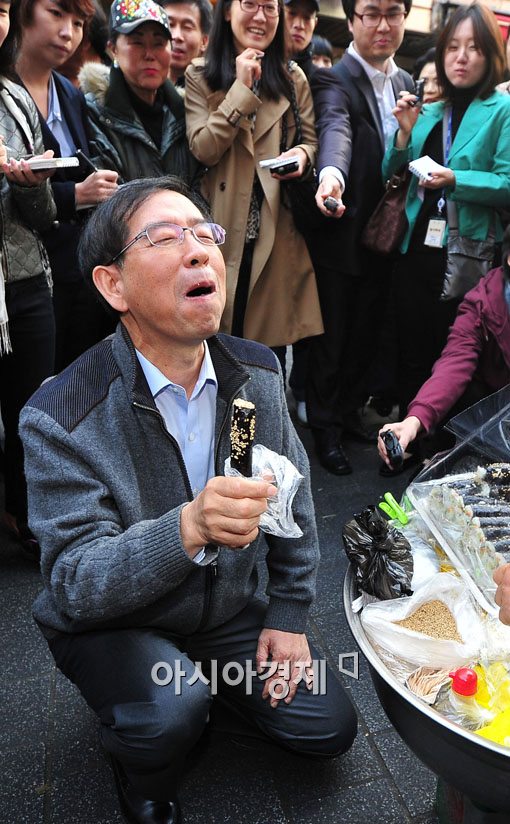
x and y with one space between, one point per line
107 230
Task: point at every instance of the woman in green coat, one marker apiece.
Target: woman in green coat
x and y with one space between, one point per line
468 134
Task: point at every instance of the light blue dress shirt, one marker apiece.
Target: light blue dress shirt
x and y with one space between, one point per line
383 90
191 422
57 124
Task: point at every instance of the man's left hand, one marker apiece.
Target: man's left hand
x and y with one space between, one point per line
291 652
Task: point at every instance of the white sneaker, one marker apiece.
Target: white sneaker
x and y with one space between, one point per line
301 413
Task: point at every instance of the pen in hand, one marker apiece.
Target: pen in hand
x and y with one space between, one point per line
86 160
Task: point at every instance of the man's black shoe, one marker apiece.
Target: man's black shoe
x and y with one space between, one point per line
330 453
352 427
139 810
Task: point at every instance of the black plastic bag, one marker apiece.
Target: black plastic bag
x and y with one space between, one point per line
380 555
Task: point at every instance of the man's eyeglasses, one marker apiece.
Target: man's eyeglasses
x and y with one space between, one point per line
170 234
372 19
251 7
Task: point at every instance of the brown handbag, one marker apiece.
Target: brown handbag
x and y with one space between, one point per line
388 223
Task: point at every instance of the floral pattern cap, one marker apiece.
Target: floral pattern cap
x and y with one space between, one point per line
127 15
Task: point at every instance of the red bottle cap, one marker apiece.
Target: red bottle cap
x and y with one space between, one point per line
464 681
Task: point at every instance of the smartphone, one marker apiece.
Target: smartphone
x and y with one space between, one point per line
282 166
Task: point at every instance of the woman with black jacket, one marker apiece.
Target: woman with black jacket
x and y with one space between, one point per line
137 113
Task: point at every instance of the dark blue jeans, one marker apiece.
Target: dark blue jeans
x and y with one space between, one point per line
32 332
151 728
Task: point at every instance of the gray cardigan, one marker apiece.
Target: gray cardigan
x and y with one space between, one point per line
106 485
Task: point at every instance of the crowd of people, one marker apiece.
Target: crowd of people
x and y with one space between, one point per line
172 108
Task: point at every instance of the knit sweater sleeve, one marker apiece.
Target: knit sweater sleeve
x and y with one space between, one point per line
95 568
454 369
211 131
292 563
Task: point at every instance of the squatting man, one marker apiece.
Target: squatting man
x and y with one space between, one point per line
148 552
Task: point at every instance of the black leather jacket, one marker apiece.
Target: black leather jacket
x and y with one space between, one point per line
120 136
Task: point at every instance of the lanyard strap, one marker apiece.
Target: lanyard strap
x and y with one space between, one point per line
447 139
451 210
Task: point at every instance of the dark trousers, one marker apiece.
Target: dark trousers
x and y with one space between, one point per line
32 333
299 371
422 320
81 321
150 728
352 312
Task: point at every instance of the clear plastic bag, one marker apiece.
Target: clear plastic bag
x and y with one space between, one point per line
425 559
459 504
462 709
497 641
278 519
416 648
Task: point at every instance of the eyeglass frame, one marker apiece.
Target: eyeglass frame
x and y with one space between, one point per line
261 6
381 17
178 242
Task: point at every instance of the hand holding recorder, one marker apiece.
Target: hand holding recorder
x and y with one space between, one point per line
287 165
249 66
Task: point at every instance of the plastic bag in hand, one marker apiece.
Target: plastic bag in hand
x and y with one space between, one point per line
278 518
380 554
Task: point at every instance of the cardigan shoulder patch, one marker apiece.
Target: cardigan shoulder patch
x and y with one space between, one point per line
250 352
70 396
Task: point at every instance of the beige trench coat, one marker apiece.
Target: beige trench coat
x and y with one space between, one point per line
283 304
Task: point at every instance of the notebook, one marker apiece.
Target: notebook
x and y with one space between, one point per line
38 164
424 166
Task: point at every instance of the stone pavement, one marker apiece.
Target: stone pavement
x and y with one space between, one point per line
54 772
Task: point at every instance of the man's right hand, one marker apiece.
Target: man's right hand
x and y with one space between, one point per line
329 187
226 513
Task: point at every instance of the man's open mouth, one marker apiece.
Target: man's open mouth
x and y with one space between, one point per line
200 291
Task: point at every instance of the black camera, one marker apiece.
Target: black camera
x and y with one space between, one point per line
419 90
284 168
331 204
393 449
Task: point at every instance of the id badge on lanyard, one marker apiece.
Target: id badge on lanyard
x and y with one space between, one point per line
436 228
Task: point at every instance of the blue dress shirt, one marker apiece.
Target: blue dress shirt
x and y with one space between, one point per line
57 124
191 422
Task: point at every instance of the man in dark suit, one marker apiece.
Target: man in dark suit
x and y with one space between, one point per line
354 120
